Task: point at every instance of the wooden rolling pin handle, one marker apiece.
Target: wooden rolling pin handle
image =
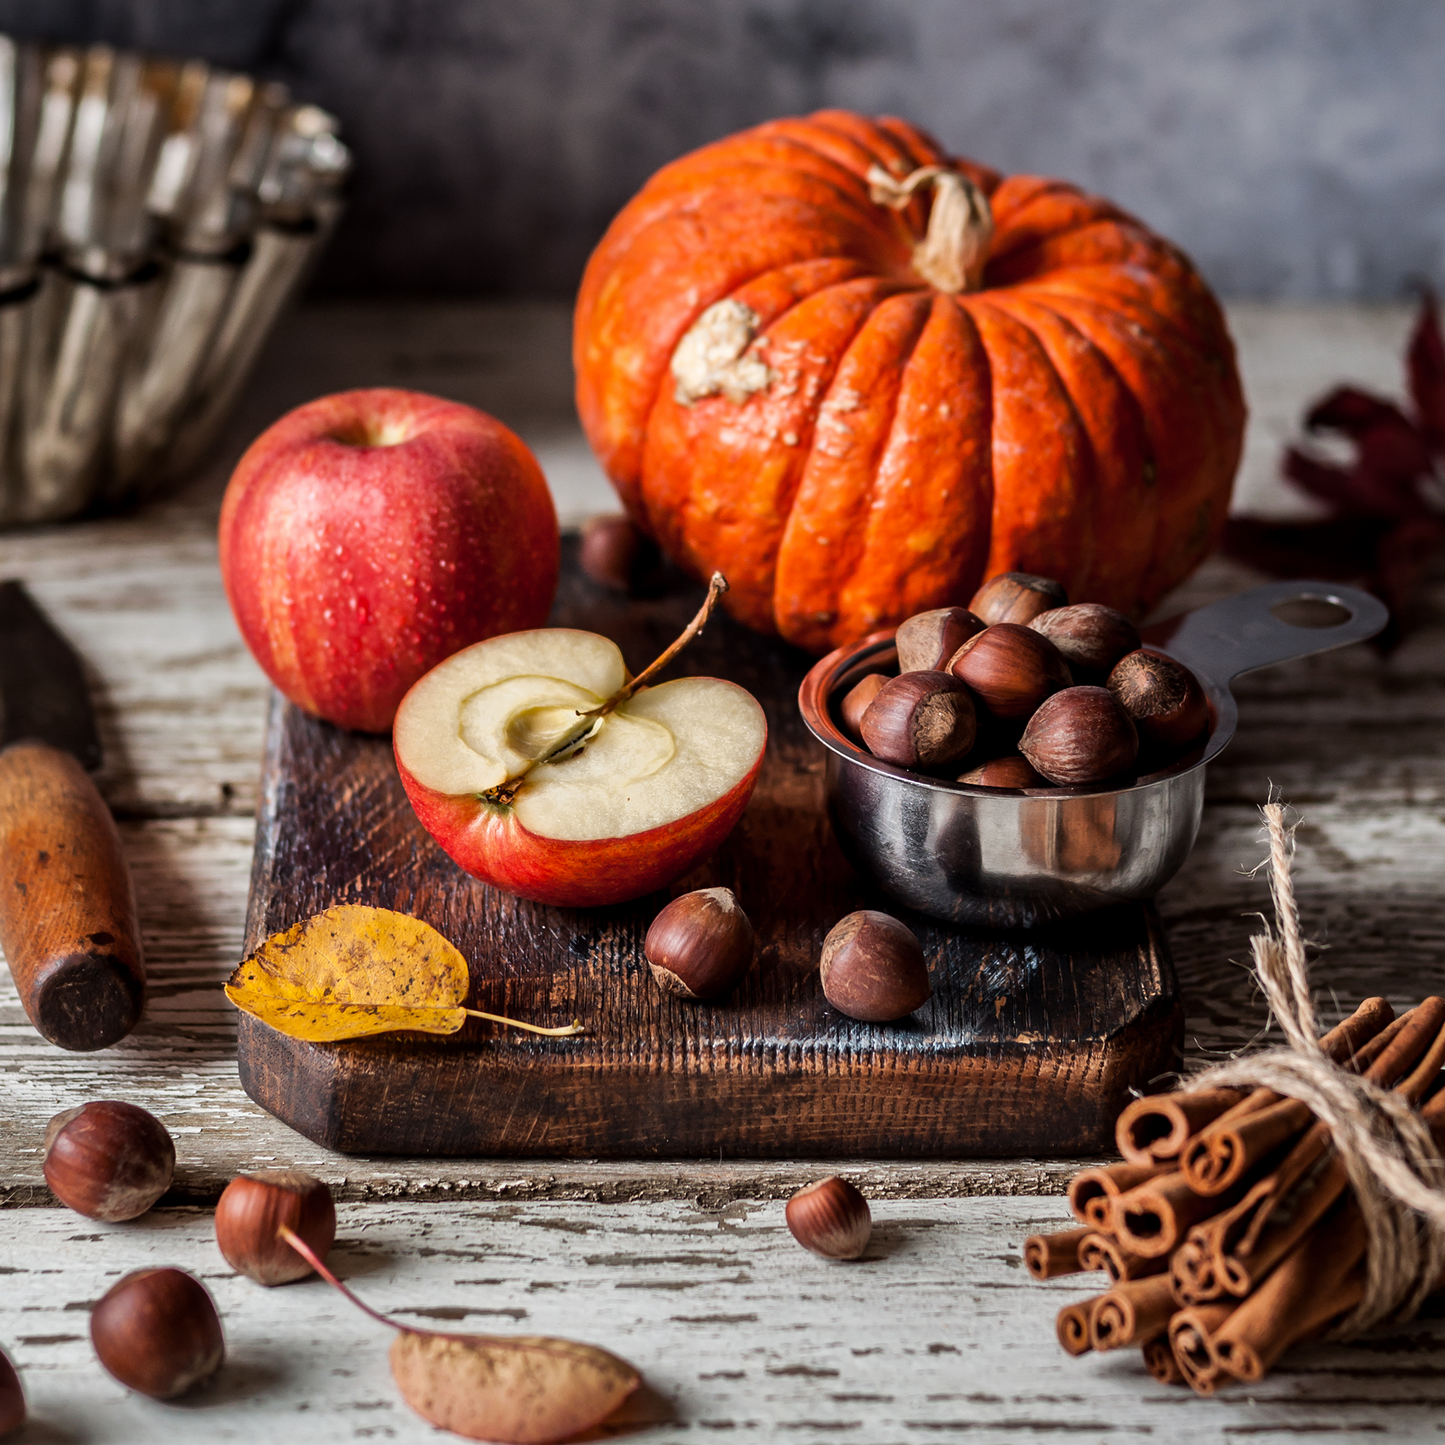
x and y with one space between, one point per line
67 906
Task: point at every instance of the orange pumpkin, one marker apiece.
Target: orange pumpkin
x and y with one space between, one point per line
858 377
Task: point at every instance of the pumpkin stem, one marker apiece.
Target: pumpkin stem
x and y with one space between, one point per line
952 254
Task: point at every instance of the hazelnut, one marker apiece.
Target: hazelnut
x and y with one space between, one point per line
252 1208
108 1160
920 720
1080 735
157 1331
616 555
1162 696
831 1218
1010 669
873 968
1016 597
700 945
1091 637
1012 770
927 640
12 1397
855 703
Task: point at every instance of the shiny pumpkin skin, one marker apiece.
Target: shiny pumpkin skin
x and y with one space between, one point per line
1079 416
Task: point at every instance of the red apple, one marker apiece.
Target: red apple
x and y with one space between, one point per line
367 535
525 791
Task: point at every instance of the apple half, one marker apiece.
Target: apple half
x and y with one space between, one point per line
522 763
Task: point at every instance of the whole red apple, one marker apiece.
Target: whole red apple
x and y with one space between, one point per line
368 535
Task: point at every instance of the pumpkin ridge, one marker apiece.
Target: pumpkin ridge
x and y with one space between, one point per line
1057 540
914 216
1204 332
700 472
745 173
885 220
895 577
1041 258
805 439
1021 230
1183 473
1017 193
834 484
1139 513
890 421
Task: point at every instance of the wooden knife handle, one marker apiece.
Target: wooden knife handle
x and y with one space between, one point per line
67 906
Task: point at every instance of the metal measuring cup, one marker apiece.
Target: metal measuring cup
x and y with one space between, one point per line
1009 857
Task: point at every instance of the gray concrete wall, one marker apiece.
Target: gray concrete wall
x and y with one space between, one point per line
1295 147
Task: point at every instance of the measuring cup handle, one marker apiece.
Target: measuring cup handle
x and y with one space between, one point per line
1242 633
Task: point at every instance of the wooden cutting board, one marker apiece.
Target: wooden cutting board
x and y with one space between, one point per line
1029 1045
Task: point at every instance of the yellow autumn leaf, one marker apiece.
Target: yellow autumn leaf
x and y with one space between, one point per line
353 971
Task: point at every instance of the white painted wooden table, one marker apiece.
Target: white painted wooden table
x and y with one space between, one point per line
684 1268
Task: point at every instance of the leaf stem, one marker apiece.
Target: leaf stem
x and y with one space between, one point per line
284 1231
569 1031
715 589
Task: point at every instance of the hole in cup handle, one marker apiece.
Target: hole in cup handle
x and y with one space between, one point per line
1312 611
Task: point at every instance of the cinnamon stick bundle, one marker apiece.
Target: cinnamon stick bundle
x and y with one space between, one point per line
1251 1241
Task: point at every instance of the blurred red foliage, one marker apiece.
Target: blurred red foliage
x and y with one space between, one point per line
1387 509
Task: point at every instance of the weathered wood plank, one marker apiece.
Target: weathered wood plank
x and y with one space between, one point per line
937 1332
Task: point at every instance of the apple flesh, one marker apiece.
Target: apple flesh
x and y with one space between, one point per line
526 791
368 535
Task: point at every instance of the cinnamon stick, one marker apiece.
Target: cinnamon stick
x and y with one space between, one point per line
1047 1256
1191 1341
1153 1130
1092 1191
1192 1268
1098 1251
1160 1362
1152 1218
1072 1326
1221 1154
1132 1312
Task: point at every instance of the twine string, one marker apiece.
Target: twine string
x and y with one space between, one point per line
1386 1148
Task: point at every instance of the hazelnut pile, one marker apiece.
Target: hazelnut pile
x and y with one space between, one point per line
1021 690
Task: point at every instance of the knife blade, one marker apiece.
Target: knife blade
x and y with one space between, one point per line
67 904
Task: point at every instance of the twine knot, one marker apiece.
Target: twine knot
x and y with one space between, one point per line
1387 1150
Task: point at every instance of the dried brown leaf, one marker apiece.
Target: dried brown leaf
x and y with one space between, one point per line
509 1388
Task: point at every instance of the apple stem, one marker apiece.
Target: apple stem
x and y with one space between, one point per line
570 1031
715 589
